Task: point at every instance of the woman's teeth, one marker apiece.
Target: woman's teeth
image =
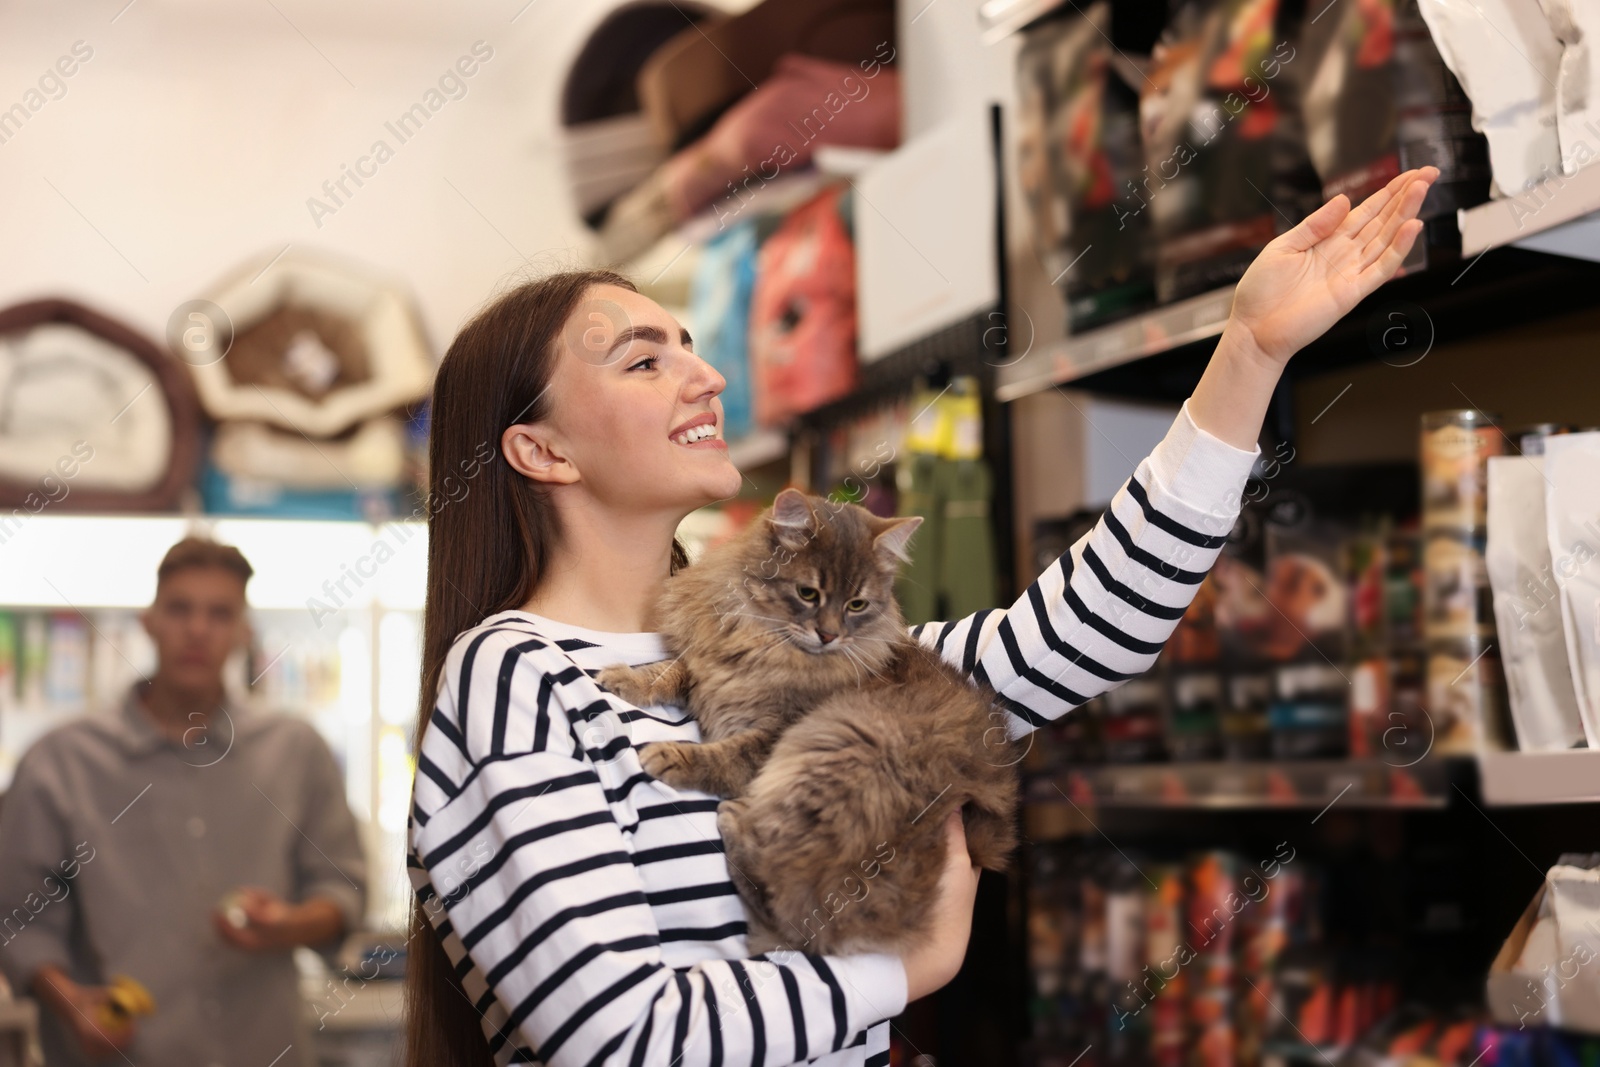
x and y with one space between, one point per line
697 433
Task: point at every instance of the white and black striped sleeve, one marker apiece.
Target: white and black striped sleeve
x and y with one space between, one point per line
525 851
1100 614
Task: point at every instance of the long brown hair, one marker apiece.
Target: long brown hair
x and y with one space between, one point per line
491 532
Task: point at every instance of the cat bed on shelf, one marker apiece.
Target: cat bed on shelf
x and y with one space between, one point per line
93 415
372 456
318 346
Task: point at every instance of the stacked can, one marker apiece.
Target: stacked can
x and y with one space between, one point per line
1464 681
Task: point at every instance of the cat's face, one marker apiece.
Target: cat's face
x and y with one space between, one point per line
820 576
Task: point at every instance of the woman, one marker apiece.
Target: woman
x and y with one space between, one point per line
570 908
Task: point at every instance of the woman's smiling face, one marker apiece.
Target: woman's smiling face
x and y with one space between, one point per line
626 388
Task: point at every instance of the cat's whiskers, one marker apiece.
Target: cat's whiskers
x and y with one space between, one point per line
861 659
850 656
778 638
755 615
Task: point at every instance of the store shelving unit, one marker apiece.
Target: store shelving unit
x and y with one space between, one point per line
1527 778
758 449
1046 364
1307 784
1557 203
19 1033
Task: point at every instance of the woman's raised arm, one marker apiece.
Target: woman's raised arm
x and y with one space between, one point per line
1100 614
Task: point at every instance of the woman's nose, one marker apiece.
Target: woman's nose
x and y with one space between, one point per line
703 380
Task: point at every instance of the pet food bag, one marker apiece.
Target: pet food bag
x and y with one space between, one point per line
1572 524
1577 26
1379 100
1527 608
719 308
1575 906
1547 974
1513 104
1079 156
803 312
1226 169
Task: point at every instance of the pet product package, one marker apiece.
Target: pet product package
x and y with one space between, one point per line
1572 523
1226 169
1466 696
803 312
1577 26
1078 153
1527 609
1575 906
1513 104
1455 446
1547 973
719 307
1378 100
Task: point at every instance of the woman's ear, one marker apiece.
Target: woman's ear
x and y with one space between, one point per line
532 451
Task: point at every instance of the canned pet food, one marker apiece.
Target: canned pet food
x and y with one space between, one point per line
1466 695
1456 446
1457 599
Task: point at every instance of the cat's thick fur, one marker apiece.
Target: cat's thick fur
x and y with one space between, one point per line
842 743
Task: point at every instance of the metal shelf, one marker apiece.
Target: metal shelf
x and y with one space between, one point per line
758 448
1520 778
1147 334
1549 204
1317 785
998 19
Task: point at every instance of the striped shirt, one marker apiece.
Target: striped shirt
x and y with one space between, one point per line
588 907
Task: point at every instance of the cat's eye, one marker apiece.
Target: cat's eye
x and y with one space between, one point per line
858 604
807 592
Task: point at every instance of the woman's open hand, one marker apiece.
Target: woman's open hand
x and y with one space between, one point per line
936 960
1309 278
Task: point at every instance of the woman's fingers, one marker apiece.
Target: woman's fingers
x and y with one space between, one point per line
1396 194
1319 225
1405 209
1383 268
955 830
1373 206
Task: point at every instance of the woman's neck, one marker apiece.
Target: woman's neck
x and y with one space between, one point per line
607 571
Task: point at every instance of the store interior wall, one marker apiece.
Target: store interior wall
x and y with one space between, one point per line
944 63
195 130
1387 400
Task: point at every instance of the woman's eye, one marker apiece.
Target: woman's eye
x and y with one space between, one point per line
807 592
646 359
857 604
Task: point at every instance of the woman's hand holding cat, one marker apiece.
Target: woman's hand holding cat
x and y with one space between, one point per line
933 963
1299 285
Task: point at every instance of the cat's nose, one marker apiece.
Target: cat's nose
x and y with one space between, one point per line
824 636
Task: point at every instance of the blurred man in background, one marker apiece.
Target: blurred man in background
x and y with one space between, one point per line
184 841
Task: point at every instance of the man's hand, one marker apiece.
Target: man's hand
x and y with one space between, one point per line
1309 278
274 925
80 1007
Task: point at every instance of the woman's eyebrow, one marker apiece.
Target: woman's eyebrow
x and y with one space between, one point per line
654 335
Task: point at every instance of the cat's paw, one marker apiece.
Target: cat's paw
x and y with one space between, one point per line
667 761
629 683
729 812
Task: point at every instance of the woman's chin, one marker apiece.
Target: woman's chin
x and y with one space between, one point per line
727 485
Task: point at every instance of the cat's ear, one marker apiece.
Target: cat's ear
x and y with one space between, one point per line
792 519
894 535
